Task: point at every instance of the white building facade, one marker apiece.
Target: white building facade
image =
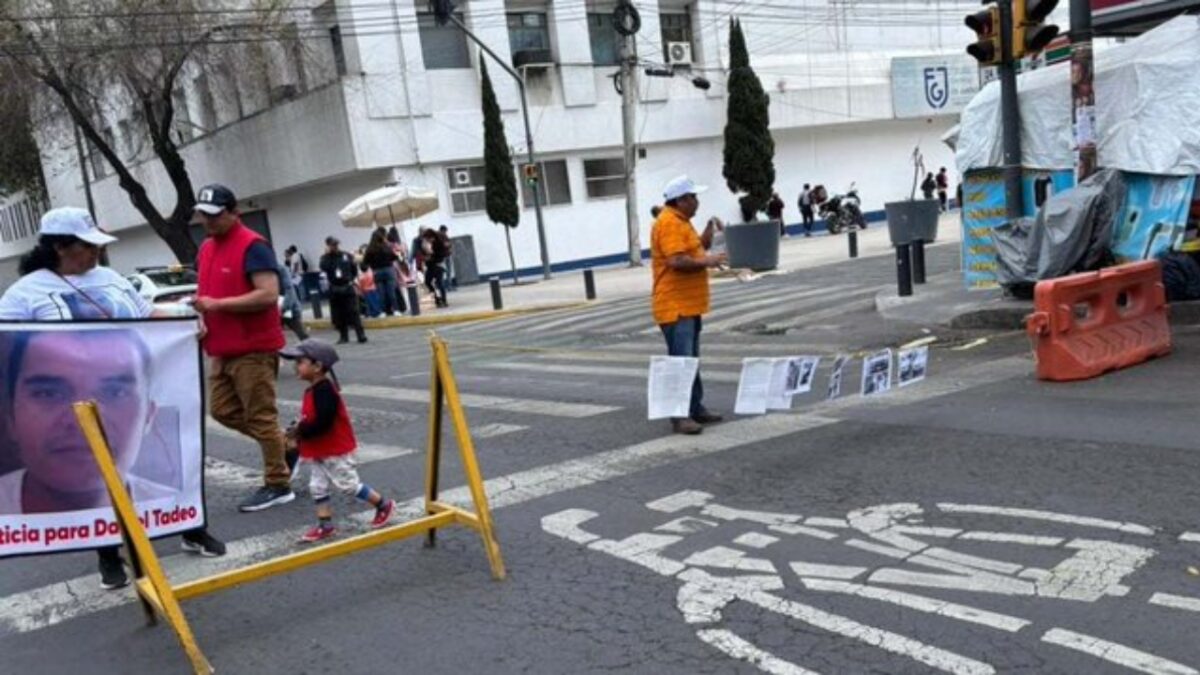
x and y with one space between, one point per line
380 93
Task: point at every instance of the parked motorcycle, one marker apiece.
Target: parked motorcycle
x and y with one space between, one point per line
842 212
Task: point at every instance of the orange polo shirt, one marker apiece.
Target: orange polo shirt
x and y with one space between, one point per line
676 293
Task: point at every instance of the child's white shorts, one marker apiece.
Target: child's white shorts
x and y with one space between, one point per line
339 471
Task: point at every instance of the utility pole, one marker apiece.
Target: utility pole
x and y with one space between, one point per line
1010 114
1083 94
443 11
628 119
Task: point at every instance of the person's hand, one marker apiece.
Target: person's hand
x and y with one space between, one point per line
201 327
716 260
203 304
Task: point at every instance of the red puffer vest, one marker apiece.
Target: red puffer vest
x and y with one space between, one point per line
222 264
338 440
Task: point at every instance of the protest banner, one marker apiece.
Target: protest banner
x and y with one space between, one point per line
145 377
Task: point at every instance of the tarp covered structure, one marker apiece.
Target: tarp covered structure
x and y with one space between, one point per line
1147 109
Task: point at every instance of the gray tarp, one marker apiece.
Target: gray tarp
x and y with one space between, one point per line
1071 232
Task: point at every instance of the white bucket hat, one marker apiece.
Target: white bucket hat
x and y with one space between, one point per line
74 222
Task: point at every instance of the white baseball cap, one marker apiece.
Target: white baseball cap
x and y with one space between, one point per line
75 222
680 186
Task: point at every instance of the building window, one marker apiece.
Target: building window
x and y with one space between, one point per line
466 189
339 50
553 188
604 177
606 42
442 46
528 31
675 28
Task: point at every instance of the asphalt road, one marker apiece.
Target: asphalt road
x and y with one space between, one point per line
978 521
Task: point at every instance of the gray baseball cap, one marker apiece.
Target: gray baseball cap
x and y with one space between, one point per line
313 349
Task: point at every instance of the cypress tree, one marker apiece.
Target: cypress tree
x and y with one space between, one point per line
749 149
499 181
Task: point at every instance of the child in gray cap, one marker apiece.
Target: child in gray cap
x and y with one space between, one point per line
326 439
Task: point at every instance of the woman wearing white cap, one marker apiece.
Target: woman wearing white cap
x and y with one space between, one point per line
62 280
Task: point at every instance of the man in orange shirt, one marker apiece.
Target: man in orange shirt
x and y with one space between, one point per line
680 265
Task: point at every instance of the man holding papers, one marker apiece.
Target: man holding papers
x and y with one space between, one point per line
680 266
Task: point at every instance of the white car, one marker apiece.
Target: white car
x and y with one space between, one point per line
165 284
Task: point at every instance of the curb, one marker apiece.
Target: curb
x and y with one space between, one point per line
449 319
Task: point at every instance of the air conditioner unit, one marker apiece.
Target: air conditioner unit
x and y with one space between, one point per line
679 53
462 178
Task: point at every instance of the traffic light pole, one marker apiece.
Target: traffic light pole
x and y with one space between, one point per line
537 198
1010 115
1083 94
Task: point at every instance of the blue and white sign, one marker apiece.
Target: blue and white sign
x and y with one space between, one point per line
928 86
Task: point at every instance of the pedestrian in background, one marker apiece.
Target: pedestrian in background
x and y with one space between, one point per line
368 291
290 310
238 296
326 441
341 271
451 272
775 212
382 261
435 252
806 209
928 185
680 296
943 189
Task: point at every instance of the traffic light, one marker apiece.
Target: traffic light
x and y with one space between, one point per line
442 9
531 173
986 25
1030 35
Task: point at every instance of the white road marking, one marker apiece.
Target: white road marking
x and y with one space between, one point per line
679 501
566 524
229 475
686 525
724 557
1113 652
1176 601
535 407
1193 537
734 646
801 529
642 549
839 523
707 374
845 572
921 603
55 603
776 306
495 429
1034 514
889 551
1012 538
755 540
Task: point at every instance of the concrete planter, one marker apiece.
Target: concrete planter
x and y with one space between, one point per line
911 220
753 245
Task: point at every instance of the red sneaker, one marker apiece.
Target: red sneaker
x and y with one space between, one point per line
383 513
318 533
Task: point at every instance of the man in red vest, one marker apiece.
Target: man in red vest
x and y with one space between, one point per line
237 296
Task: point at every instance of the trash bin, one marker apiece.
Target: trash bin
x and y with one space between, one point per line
912 220
753 245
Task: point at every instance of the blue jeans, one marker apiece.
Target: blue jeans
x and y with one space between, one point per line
683 339
385 283
373 303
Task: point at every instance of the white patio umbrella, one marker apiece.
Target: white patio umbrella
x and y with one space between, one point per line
388 204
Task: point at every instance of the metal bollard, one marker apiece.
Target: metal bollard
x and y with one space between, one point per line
497 303
589 284
904 270
414 301
852 237
918 261
316 305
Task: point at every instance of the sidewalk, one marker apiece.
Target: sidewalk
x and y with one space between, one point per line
566 289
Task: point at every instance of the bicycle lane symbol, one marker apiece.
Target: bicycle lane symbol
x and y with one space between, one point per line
918 559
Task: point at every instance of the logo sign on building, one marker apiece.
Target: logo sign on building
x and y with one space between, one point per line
928 86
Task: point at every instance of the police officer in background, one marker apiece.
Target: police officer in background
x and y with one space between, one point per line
341 271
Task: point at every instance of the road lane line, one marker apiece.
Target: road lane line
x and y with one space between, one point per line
921 603
530 406
1176 601
1034 514
601 371
1113 652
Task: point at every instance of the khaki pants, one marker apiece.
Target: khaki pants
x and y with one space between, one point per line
242 397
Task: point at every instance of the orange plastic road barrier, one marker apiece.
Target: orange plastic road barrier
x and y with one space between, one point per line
1087 324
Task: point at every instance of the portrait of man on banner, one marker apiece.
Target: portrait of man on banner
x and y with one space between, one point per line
145 378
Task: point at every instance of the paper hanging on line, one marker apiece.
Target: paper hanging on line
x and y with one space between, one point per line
801 371
877 373
754 386
669 389
912 365
777 396
835 377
